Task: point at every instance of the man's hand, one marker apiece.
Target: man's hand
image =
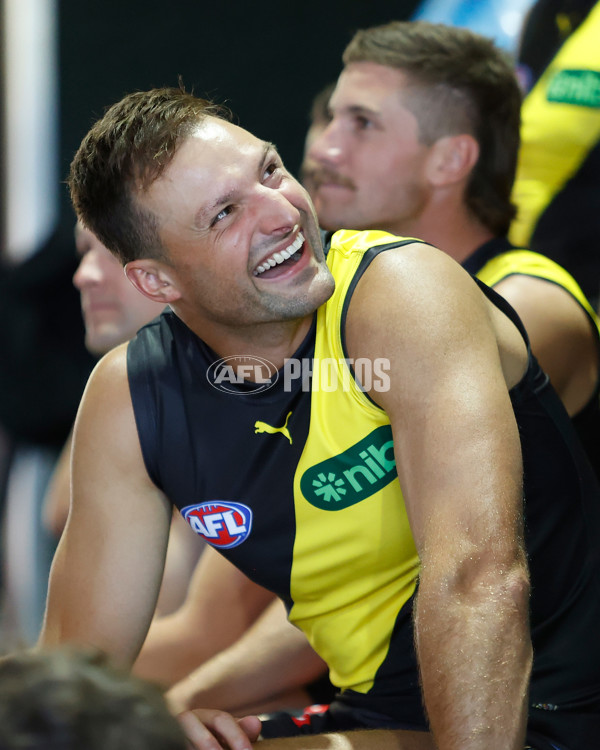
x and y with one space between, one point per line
209 729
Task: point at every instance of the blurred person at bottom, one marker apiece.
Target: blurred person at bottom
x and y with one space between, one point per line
70 699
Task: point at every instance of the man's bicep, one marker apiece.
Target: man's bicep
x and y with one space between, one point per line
456 441
458 453
108 566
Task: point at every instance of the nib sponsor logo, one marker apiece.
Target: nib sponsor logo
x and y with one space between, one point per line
222 524
352 476
580 88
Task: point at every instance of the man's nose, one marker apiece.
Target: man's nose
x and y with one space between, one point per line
326 148
87 273
278 215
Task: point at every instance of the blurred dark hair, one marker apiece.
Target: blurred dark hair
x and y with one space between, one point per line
69 699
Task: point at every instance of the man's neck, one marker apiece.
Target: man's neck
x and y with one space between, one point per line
273 341
451 228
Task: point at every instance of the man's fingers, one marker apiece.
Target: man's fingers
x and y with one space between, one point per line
207 729
251 726
199 737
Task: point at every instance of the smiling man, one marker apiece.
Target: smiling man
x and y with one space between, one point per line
373 491
419 136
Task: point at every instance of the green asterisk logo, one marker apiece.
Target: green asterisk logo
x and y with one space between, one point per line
329 487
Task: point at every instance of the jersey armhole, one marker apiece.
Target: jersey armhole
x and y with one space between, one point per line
145 418
366 261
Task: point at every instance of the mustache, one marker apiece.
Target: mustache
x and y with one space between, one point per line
323 175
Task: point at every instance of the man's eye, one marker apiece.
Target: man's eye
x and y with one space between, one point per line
362 123
271 169
222 214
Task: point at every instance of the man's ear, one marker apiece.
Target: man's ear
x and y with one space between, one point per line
452 159
151 279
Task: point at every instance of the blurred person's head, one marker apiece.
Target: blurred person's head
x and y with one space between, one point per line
68 699
113 309
420 111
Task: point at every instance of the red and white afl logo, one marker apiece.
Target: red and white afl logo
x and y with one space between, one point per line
222 524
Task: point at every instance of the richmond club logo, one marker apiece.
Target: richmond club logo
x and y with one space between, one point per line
222 524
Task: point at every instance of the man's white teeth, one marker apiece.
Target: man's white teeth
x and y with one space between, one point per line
280 257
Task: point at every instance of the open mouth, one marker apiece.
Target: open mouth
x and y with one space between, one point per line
279 261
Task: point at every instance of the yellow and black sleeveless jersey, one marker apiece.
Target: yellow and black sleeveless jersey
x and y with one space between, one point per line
497 260
557 186
293 478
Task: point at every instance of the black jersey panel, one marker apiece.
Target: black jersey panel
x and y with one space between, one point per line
239 465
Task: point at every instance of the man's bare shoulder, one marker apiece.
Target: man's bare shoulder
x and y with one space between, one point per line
105 423
418 286
418 272
419 308
108 381
111 365
545 298
563 336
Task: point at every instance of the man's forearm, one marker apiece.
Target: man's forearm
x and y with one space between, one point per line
376 739
475 659
172 648
271 658
221 605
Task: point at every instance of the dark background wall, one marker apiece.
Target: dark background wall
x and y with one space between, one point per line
265 59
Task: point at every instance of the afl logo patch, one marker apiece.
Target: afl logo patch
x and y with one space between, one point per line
222 524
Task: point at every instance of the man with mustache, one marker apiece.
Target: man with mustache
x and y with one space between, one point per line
397 502
365 169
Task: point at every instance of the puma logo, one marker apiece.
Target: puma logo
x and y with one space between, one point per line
264 427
